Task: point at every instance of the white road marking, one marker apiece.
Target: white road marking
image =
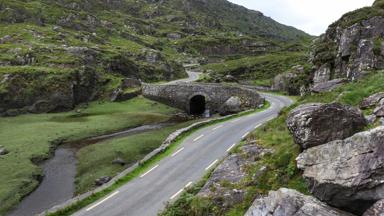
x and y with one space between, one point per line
149 171
245 135
178 151
220 126
199 137
211 165
258 126
181 190
235 120
106 198
230 148
189 184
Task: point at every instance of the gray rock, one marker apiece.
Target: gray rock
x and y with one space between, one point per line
328 85
287 202
119 161
379 111
173 36
351 50
221 186
372 100
102 180
315 124
323 74
3 151
371 119
232 105
280 82
5 39
376 210
347 173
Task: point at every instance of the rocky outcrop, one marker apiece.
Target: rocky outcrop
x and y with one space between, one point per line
350 49
376 210
221 186
328 85
287 202
315 124
347 173
40 92
372 100
291 81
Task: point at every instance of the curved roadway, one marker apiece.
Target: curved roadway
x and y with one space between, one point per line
147 195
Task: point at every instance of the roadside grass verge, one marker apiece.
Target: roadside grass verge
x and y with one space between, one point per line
146 165
31 138
281 170
95 161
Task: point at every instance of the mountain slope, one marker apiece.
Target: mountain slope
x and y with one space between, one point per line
55 54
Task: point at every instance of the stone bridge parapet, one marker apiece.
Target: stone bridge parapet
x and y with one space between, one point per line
194 98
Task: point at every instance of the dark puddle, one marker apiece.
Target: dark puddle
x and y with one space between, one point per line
58 185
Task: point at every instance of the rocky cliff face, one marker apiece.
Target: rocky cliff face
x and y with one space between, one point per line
351 46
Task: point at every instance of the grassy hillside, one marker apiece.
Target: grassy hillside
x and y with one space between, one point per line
259 69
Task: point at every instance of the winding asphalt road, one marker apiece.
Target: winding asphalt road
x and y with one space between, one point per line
148 194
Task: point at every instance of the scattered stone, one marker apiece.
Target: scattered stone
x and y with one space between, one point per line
347 173
3 151
5 39
232 105
328 86
174 36
376 210
371 119
230 78
379 111
220 187
119 161
102 180
287 202
315 124
372 100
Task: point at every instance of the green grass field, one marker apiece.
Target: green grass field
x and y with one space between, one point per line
31 137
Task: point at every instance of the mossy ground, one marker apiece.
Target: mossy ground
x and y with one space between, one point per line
29 138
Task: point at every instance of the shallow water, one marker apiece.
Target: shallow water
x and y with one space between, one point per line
60 172
57 185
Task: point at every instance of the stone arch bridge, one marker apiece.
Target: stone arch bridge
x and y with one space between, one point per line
196 98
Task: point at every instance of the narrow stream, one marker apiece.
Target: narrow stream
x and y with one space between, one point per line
60 172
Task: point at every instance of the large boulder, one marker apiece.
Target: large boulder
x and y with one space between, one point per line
287 202
347 173
232 105
376 210
315 124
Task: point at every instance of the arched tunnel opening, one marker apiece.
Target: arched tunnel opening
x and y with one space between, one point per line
197 105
